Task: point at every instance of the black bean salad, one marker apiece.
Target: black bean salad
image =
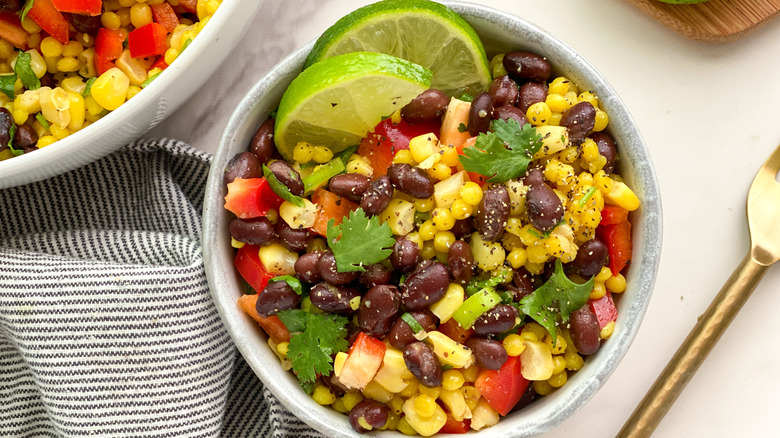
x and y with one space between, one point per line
454 266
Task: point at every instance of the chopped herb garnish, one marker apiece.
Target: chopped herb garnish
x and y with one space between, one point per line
88 89
346 153
359 241
27 6
294 283
321 176
557 298
475 285
8 85
412 323
11 136
462 128
587 196
503 154
466 97
42 120
24 71
149 80
186 44
281 189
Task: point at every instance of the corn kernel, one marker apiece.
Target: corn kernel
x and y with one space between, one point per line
67 64
140 15
338 406
110 20
470 373
598 291
46 140
604 274
514 344
424 405
558 380
404 156
442 219
396 405
410 389
442 241
559 364
110 89
424 205
303 152
6 49
590 151
236 244
529 336
607 331
427 231
51 47
587 96
542 387
497 66
472 396
440 171
30 26
560 343
282 348
559 85
171 55
602 120
72 49
322 154
449 156
512 242
537 253
461 210
431 392
573 360
571 98
538 114
517 257
452 380
536 329
616 284
405 428
360 166
423 146
20 116
58 132
351 399
556 103
471 193
427 251
124 17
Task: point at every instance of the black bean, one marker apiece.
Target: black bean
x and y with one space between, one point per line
371 412
591 257
528 396
378 309
333 299
287 176
533 176
531 93
480 114
242 165
10 6
585 332
460 261
6 120
293 239
496 320
262 143
405 255
277 296
504 91
413 181
527 66
579 120
378 196
329 271
494 209
462 227
607 148
424 287
26 137
84 23
488 353
507 112
429 106
422 363
543 206
401 334
258 231
521 285
350 186
306 267
375 275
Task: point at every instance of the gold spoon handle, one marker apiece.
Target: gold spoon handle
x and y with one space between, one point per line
693 350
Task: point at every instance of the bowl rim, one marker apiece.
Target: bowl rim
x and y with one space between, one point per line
12 170
549 412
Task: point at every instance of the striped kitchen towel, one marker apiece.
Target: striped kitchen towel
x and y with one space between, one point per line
107 328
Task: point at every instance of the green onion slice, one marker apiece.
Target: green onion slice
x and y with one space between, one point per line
475 306
322 175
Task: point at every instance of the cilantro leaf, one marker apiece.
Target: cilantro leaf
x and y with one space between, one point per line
462 128
359 241
294 320
558 295
504 153
281 189
27 6
23 69
294 283
466 97
310 351
88 89
476 284
8 85
11 137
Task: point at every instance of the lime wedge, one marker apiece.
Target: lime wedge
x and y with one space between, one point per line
421 31
336 102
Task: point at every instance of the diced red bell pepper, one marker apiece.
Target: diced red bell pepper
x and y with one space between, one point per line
248 264
83 7
12 31
454 426
454 331
617 237
165 15
273 326
190 6
108 48
363 361
605 309
160 62
330 206
379 146
251 197
502 388
612 214
147 40
473 176
50 20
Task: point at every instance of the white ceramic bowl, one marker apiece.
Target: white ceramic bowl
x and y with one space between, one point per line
144 111
500 33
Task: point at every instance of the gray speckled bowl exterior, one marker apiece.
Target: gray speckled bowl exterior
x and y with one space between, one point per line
500 32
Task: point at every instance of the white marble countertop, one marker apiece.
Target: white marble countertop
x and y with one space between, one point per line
708 114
